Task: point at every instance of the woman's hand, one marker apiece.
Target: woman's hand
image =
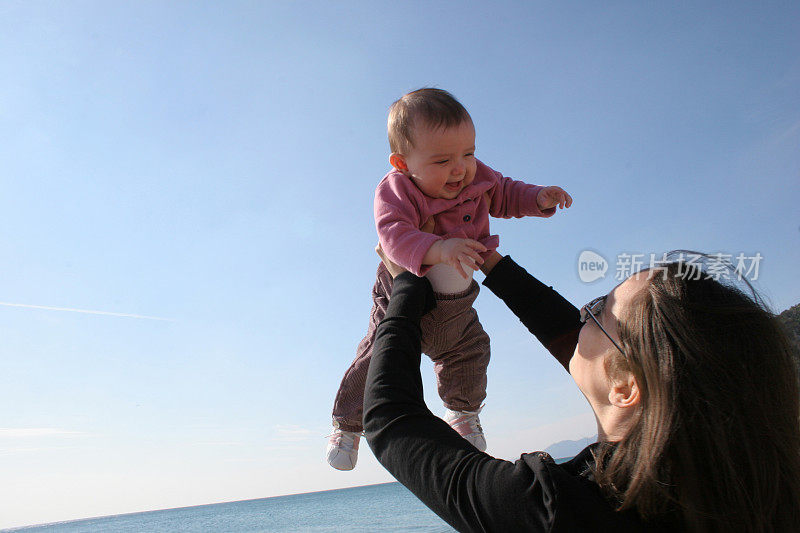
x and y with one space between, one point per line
393 268
490 262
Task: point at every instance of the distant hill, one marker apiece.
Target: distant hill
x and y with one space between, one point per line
791 321
569 448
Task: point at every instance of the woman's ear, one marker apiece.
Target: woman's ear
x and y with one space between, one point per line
398 162
624 393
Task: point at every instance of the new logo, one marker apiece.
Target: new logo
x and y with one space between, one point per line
591 266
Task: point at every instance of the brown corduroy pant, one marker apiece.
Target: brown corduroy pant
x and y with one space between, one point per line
452 337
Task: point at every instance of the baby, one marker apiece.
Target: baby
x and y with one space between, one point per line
437 184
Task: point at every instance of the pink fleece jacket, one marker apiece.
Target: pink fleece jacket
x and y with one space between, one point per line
401 208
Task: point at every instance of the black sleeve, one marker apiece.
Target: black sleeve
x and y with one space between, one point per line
467 488
549 316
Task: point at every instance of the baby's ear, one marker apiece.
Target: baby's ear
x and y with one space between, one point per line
398 162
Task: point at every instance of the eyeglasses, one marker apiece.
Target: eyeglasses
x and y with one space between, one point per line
593 310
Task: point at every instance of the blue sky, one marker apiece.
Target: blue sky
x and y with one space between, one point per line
212 166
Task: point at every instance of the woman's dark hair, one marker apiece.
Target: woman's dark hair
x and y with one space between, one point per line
716 442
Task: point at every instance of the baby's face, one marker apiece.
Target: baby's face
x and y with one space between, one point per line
442 161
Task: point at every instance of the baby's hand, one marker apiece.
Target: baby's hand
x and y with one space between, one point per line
553 196
458 252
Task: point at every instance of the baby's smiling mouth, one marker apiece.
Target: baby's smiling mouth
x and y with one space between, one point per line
453 185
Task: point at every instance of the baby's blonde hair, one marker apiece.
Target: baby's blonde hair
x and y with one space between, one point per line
435 108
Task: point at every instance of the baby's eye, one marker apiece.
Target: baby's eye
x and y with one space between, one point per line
442 162
469 154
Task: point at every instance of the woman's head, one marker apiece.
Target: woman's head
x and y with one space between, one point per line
715 431
611 390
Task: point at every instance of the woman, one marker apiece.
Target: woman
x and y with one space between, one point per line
692 383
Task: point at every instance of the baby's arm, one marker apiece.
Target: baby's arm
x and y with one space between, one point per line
456 253
406 238
511 198
397 217
395 269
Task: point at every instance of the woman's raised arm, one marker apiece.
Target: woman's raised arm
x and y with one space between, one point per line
549 316
466 487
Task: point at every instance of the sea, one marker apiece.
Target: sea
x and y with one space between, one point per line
388 507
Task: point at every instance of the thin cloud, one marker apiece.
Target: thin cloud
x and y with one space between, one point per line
85 311
789 132
21 449
34 432
217 443
292 433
